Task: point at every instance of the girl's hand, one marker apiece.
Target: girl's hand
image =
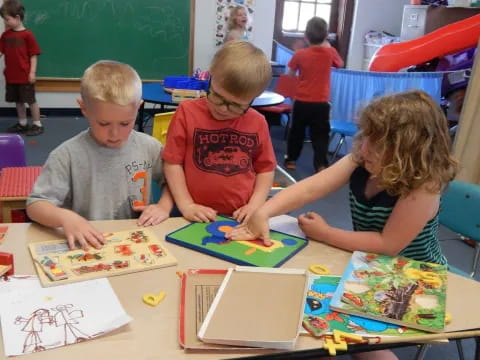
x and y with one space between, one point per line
313 225
152 214
255 228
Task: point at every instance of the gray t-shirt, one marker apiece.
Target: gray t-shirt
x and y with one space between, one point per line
100 183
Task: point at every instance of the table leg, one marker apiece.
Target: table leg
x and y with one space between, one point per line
140 116
6 212
477 348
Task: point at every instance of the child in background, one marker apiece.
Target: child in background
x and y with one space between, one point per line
21 50
105 172
219 156
399 165
237 24
311 107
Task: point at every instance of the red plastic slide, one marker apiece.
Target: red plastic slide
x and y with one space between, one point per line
446 40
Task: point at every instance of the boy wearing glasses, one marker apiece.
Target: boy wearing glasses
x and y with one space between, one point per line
218 157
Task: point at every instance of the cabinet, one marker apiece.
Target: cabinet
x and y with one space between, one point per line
419 20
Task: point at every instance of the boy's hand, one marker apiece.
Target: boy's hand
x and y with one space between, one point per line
243 213
199 213
313 225
255 228
79 229
31 78
152 214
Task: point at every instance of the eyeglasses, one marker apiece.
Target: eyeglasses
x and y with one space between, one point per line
217 99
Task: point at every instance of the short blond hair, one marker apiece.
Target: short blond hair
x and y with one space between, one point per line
410 132
112 82
241 68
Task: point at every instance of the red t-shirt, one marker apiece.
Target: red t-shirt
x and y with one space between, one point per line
220 158
314 65
18 47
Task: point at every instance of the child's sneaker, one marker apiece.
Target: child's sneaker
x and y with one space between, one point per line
34 130
17 128
290 165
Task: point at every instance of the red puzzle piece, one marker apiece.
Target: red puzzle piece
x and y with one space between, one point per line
7 259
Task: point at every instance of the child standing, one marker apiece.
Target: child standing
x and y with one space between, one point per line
21 50
106 171
400 164
237 24
219 156
311 107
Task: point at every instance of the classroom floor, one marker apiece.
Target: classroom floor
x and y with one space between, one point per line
334 208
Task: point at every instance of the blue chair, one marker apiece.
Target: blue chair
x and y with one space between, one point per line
460 213
12 151
344 129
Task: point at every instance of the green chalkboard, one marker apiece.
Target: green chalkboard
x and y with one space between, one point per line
153 36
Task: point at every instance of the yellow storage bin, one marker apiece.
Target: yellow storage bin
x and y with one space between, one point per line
160 125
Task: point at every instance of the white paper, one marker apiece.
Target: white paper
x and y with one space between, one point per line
36 319
286 224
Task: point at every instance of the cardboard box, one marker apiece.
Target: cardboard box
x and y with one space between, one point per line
259 307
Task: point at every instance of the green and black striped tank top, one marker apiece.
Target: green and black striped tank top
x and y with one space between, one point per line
372 215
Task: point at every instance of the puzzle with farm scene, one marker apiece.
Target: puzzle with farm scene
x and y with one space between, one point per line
396 290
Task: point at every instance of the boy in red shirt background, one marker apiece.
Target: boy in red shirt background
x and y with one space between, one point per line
311 107
21 50
218 156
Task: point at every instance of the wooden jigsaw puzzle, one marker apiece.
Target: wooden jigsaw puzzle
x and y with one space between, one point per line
210 238
125 252
396 290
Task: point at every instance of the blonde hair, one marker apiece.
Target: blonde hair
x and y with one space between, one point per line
232 18
409 132
241 68
111 82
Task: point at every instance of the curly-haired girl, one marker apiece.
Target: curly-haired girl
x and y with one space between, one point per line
399 166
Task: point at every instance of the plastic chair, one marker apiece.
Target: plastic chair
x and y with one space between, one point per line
12 151
344 129
287 87
459 213
161 122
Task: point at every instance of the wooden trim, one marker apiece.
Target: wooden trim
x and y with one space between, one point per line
57 85
192 37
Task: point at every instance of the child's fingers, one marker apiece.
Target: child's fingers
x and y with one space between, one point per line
71 241
92 240
138 208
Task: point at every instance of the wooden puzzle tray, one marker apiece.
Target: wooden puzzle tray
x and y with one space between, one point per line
125 252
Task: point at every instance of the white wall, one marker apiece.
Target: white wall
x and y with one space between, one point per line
380 15
204 47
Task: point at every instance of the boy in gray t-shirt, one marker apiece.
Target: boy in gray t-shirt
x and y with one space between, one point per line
104 172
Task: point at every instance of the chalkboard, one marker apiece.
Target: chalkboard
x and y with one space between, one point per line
153 36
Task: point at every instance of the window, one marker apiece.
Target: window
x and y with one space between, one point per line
296 13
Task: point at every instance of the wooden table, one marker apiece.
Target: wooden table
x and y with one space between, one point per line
153 332
15 185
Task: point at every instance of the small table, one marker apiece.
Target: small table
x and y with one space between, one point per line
154 93
16 183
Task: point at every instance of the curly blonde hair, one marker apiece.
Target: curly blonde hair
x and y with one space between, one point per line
410 134
232 18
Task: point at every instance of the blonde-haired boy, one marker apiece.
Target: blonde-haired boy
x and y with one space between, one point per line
106 171
219 157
